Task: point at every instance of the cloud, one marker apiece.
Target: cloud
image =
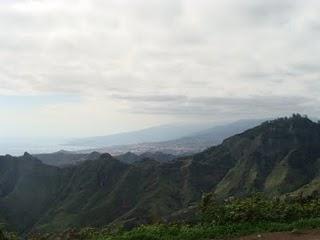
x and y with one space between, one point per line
221 107
165 56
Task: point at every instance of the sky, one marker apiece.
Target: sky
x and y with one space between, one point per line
93 67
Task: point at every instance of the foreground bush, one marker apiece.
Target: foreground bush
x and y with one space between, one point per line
233 217
7 236
185 232
258 208
208 231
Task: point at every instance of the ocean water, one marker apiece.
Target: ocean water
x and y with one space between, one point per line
18 146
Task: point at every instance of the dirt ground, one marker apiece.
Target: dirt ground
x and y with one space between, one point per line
298 235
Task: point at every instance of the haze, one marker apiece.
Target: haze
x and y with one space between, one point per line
94 67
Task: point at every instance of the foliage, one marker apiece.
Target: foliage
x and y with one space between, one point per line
69 234
2 235
7 235
207 231
258 208
195 232
233 217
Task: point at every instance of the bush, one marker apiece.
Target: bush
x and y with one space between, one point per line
258 208
4 235
219 219
1 235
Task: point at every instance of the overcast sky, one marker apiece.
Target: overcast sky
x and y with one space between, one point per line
92 67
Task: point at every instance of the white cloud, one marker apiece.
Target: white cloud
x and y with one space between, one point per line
195 49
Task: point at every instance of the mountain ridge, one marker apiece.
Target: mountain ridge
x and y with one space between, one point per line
277 157
151 134
186 145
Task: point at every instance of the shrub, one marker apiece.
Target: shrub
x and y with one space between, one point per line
258 208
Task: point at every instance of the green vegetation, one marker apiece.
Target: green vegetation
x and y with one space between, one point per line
199 232
234 217
184 232
4 235
258 208
279 158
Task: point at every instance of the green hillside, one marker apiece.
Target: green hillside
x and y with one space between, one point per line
278 157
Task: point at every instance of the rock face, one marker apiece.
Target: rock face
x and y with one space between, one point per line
277 157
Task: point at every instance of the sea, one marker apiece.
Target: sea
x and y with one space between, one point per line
18 146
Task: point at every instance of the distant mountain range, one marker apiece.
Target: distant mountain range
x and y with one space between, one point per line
277 157
67 158
18 145
170 139
153 134
160 151
185 145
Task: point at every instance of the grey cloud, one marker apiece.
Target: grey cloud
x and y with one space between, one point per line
151 98
227 106
306 67
277 12
165 56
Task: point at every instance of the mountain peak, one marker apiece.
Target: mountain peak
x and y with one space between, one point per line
106 156
27 155
287 128
278 156
30 158
295 119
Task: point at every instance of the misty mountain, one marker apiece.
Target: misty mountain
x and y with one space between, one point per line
194 143
66 158
130 157
277 157
158 156
153 134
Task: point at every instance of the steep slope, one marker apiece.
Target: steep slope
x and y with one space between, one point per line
93 193
158 156
277 157
27 190
86 197
130 157
106 190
